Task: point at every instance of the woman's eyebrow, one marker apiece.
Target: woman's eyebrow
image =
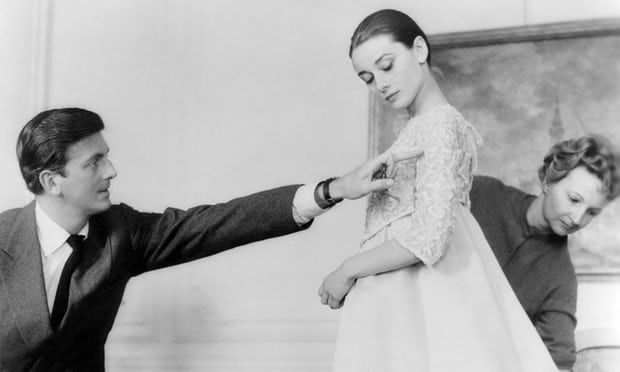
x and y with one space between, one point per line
381 57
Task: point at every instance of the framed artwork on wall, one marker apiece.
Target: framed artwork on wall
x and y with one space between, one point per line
526 88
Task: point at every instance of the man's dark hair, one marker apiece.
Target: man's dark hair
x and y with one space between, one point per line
43 142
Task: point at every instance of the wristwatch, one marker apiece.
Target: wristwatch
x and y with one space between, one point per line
321 194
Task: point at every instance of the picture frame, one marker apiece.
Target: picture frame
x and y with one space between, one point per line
524 89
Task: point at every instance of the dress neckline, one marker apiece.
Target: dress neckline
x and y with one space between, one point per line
430 113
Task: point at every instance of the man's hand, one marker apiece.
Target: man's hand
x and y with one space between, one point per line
374 175
335 287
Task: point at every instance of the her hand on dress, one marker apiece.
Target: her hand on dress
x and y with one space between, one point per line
335 287
374 175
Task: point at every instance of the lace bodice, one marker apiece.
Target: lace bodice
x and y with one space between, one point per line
422 203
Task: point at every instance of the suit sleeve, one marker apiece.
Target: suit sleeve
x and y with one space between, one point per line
176 236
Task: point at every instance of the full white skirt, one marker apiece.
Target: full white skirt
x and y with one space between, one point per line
460 315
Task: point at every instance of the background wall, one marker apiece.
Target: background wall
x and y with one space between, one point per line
208 100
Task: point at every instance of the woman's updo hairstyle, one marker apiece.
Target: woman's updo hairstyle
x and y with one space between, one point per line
592 152
389 22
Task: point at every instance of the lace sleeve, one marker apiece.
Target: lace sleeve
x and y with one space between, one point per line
426 232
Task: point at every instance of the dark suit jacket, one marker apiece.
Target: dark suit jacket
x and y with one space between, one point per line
122 243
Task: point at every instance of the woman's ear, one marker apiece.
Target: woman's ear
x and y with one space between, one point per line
421 49
48 180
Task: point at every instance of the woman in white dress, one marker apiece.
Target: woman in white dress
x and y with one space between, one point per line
425 293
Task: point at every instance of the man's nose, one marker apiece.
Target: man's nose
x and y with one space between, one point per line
110 170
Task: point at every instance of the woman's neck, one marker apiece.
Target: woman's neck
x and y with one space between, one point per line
429 97
535 215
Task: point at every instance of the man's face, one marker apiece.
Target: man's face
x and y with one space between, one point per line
572 202
87 175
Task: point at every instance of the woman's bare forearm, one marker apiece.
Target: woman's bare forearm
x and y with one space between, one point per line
388 256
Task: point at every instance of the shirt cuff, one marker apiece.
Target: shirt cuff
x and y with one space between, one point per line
305 207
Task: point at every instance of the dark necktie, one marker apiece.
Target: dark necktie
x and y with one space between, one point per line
62 293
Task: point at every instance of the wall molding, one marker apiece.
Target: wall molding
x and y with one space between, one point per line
221 357
41 51
550 31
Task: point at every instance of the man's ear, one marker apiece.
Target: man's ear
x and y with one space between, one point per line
421 49
49 181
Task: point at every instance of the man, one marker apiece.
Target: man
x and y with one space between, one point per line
66 258
528 233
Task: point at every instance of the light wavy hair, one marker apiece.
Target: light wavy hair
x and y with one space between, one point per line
593 152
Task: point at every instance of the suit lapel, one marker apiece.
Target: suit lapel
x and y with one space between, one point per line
22 272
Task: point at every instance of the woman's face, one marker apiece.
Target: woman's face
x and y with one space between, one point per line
572 202
390 69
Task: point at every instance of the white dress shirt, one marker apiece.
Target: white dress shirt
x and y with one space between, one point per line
305 207
54 251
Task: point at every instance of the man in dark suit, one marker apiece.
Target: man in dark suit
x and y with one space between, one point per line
66 258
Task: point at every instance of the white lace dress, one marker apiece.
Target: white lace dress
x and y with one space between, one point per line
454 311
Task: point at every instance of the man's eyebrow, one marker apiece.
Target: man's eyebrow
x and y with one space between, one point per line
97 155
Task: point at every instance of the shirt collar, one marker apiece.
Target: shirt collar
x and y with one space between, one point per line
51 235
